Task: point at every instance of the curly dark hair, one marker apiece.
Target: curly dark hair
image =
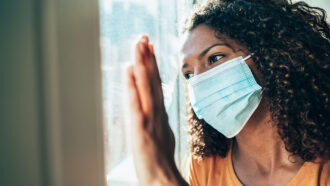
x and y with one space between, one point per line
291 46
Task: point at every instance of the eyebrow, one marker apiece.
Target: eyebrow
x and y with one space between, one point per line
204 52
210 47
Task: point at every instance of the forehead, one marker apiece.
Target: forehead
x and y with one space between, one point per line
200 37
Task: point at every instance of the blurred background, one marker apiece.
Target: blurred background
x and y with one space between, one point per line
63 99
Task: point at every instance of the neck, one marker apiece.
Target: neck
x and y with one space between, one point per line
259 146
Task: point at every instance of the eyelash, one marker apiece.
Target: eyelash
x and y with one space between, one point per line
188 75
214 57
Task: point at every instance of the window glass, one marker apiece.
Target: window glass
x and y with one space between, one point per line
122 21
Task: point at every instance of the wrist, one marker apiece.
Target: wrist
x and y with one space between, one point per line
170 176
179 180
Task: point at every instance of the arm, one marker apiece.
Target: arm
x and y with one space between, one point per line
153 140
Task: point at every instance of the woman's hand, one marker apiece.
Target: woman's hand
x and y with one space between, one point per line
152 138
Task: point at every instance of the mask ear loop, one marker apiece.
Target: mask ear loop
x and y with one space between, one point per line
247 57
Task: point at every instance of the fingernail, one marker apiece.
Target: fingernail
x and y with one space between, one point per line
141 46
143 40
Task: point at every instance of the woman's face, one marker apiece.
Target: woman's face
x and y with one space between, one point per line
202 50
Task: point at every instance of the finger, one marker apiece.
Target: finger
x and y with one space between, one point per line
150 64
150 59
142 80
151 48
135 102
147 57
153 63
155 78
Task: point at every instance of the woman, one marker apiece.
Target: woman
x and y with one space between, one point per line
258 77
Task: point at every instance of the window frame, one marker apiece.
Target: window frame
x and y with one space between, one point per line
71 93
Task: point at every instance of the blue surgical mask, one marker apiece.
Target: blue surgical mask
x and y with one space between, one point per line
225 96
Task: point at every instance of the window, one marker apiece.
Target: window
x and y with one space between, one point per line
122 21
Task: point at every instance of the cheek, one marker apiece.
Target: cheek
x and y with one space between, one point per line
257 75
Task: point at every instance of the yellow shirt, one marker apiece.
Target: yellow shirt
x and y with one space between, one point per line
218 171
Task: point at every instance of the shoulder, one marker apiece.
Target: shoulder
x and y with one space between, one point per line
207 162
324 172
320 168
201 170
313 173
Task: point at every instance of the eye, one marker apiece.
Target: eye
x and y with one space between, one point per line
215 58
188 75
